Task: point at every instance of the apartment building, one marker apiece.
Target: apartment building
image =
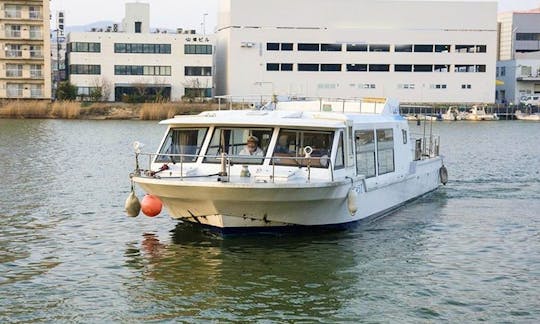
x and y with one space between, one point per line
25 63
135 63
417 51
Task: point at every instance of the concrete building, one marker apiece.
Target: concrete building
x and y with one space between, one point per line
519 55
136 64
25 63
417 51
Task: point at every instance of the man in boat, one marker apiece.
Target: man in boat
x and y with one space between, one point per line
252 147
282 145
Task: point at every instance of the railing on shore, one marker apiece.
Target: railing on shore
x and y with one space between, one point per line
227 161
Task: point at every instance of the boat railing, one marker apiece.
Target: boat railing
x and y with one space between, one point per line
227 161
426 146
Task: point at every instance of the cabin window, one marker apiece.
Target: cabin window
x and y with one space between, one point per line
339 163
291 143
365 153
234 142
385 150
186 141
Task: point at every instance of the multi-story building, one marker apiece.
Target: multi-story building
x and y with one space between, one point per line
417 51
519 55
137 64
25 63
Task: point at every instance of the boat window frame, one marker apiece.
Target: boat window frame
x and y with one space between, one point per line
374 151
340 143
208 158
379 151
318 163
196 156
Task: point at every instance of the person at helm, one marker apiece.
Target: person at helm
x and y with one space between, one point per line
252 147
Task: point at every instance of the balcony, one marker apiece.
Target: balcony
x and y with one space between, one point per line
12 14
36 74
35 15
13 54
36 35
36 54
13 34
14 73
528 78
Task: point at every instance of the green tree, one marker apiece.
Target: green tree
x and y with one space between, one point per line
66 91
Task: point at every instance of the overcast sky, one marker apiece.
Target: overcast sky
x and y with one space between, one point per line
181 13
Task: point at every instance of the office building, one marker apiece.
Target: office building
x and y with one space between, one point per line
25 63
417 51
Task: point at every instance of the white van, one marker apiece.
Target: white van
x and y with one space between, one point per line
533 100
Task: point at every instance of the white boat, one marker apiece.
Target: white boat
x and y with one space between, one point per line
479 114
420 117
452 114
315 163
527 117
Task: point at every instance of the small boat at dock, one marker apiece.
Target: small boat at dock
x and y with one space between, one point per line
479 114
527 117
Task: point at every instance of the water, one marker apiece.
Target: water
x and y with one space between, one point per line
469 252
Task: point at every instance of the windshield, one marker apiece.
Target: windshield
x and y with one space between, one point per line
182 141
291 144
249 142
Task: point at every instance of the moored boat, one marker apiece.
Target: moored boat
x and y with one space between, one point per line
479 114
304 163
527 117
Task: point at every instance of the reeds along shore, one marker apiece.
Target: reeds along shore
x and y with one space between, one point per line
77 110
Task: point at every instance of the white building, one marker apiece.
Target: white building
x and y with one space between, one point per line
519 55
417 51
134 63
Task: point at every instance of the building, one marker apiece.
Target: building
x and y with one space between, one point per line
58 51
137 64
417 51
25 63
519 55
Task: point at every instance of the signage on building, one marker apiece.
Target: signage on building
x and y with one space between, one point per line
198 39
60 23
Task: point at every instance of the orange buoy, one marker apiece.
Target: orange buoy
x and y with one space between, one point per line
151 205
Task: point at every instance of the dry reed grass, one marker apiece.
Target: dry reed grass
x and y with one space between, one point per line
25 109
66 109
159 111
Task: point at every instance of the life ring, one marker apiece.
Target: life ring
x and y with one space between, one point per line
443 175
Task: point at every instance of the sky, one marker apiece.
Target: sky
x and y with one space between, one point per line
181 13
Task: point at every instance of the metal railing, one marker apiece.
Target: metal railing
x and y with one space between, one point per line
227 161
426 146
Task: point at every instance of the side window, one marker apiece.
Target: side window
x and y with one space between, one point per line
182 141
239 142
385 150
291 143
365 153
339 163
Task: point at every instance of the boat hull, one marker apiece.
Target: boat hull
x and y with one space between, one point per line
268 205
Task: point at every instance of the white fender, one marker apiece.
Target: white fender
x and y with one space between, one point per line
351 202
133 206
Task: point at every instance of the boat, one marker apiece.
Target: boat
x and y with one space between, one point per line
420 117
527 117
452 114
479 114
301 164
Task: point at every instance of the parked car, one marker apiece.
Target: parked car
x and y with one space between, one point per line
533 100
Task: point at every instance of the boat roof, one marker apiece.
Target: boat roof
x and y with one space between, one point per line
299 114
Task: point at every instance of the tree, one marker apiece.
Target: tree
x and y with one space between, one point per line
66 91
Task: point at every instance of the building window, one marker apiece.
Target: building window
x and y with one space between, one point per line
470 68
365 153
466 86
198 70
403 48
286 46
441 68
34 12
403 68
197 49
481 68
406 86
272 67
272 46
36 51
379 68
14 70
138 27
198 92
357 67
423 48
142 70
481 49
308 67
13 50
308 47
36 71
331 47
528 36
14 90
379 48
385 150
85 69
286 66
331 67
142 48
442 48
12 11
13 31
357 47
438 86
84 47
423 68
36 91
471 48
35 32
503 70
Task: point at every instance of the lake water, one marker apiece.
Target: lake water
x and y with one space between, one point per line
468 252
